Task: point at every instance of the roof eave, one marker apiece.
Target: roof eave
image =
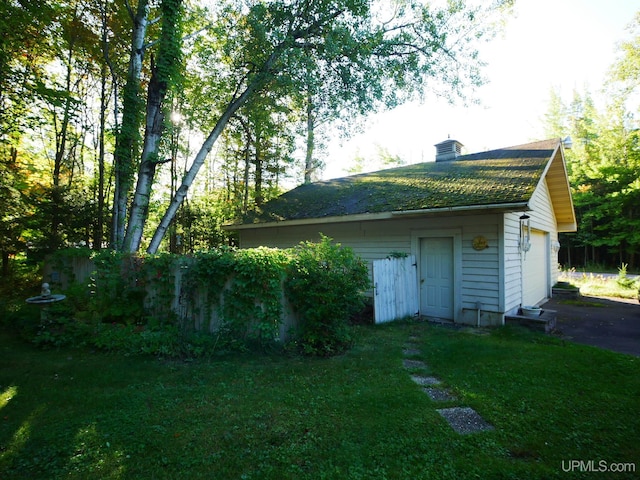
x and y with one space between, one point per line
364 217
487 208
561 193
568 227
310 221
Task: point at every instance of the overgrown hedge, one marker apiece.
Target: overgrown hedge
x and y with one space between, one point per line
131 303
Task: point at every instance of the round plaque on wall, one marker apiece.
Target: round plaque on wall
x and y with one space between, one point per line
480 243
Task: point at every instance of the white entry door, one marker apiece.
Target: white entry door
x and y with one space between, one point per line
535 274
436 277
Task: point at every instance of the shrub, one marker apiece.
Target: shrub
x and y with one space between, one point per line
623 280
325 285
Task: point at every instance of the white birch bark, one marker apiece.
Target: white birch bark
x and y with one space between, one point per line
198 161
206 147
153 134
122 184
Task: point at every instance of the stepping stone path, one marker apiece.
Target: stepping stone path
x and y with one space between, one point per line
439 394
411 352
413 363
463 420
425 380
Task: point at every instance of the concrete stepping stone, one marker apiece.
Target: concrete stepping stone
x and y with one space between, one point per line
464 420
411 352
413 363
439 394
425 381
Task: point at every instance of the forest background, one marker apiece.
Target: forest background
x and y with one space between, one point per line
150 125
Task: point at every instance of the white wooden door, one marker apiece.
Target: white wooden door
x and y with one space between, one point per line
535 270
436 277
395 288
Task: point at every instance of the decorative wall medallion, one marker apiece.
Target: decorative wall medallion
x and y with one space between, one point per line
480 243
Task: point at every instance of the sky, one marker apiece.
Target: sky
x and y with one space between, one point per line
564 45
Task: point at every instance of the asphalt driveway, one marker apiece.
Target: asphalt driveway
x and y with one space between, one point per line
609 323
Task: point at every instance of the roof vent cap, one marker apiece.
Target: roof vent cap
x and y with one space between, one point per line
448 150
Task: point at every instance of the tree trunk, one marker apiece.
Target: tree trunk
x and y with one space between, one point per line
206 147
308 161
198 161
258 161
127 136
245 177
148 162
247 166
98 232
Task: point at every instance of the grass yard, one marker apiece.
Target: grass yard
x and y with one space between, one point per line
603 285
77 414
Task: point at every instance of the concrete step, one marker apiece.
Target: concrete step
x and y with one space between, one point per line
546 322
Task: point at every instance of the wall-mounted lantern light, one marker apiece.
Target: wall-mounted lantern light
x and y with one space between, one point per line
525 233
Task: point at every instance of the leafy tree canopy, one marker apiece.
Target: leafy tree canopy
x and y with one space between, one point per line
604 163
352 55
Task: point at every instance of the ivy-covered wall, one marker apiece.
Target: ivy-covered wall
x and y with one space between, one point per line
303 295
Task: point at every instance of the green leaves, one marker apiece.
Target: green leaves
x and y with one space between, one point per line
162 304
325 285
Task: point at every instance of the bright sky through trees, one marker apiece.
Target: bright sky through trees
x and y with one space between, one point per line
565 45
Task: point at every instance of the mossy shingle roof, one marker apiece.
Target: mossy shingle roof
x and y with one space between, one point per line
504 176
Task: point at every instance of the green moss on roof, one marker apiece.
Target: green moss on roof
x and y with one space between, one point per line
498 177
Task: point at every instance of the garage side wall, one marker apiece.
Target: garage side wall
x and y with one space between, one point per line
542 221
480 272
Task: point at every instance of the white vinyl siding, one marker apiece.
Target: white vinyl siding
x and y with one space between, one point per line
481 268
512 262
479 274
543 222
543 219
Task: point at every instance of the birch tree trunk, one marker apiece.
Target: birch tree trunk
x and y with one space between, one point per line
98 232
198 161
308 161
127 137
149 160
235 104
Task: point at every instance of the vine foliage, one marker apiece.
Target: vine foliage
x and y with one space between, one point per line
216 300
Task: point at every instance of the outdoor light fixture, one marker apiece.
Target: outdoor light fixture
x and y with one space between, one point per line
525 233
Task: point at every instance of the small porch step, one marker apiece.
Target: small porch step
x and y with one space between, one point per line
546 322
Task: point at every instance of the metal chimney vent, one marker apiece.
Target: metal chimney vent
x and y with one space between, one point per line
448 150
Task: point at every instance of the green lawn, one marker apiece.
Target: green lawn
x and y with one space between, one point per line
599 285
78 414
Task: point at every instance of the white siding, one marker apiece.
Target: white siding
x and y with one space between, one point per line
481 268
512 262
479 278
543 221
